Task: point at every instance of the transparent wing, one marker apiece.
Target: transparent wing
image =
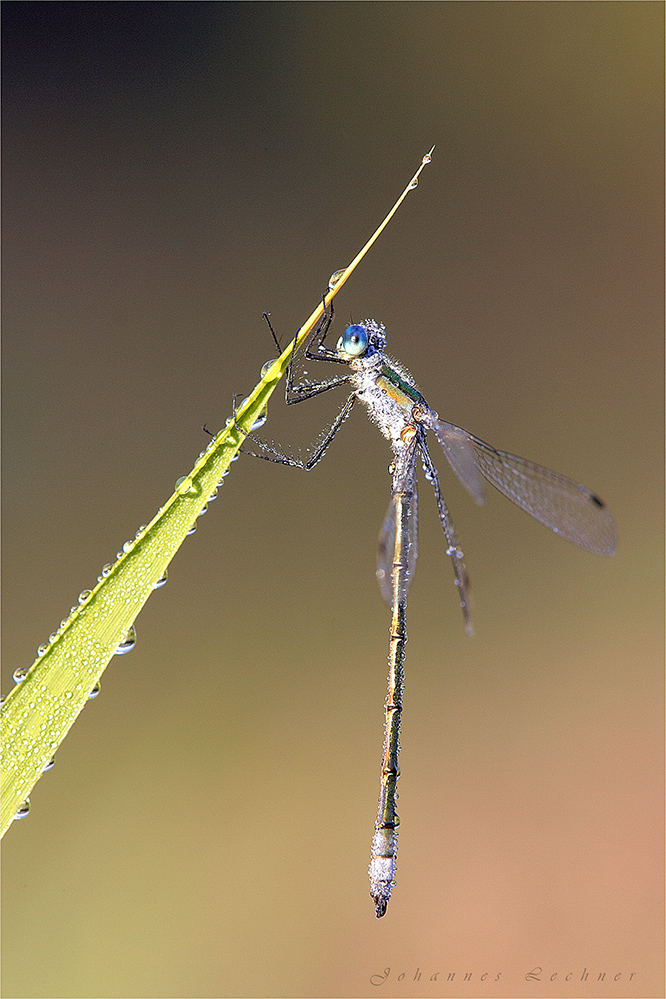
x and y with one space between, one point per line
386 549
566 507
461 457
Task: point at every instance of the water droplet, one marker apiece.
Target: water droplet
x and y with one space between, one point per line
52 637
192 490
427 158
20 674
106 569
161 581
96 689
49 765
128 546
192 529
83 596
42 650
260 420
265 368
213 495
203 510
414 183
141 530
450 550
127 643
23 809
335 277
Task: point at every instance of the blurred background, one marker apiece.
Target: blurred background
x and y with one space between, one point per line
171 171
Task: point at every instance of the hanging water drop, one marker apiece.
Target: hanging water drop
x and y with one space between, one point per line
20 674
22 809
49 765
414 183
83 596
266 366
161 581
192 529
335 278
261 419
127 643
96 689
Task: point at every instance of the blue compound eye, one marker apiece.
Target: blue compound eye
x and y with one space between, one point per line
354 341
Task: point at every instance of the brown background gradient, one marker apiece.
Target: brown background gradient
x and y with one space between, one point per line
170 172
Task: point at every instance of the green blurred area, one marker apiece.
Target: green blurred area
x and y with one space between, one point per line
171 171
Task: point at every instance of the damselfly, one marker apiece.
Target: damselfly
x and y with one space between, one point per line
397 407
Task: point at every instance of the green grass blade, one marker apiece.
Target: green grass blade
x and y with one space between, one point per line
39 711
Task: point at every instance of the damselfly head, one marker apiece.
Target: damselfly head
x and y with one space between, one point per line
362 340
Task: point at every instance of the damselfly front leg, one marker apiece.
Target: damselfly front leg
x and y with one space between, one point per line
299 392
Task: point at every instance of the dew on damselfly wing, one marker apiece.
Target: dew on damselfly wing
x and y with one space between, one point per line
161 581
20 674
83 596
96 689
213 495
106 570
127 643
203 510
192 529
42 650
